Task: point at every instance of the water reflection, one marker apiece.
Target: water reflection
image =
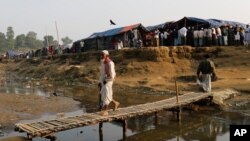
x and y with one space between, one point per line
194 126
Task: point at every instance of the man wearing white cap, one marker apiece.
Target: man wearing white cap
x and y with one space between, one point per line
107 76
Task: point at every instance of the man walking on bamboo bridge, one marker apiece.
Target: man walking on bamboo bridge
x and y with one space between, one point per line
107 76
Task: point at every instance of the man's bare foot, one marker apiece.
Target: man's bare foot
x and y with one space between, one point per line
104 113
116 106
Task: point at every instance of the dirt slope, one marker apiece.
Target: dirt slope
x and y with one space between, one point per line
155 68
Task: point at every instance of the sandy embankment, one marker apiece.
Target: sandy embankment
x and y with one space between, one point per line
14 108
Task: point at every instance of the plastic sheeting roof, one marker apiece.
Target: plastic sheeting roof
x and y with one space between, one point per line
11 53
212 22
159 26
218 23
196 19
115 31
154 27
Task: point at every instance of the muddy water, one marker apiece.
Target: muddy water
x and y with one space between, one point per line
203 125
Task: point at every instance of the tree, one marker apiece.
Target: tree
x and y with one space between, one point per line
39 43
30 39
48 40
2 42
20 41
10 38
66 40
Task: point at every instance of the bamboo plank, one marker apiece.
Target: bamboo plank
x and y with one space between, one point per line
41 126
47 125
33 126
31 129
53 123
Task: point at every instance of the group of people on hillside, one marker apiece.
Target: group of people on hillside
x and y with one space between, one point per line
198 37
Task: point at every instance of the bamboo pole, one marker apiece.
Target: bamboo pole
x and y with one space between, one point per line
100 126
58 42
156 118
177 92
100 135
125 126
179 114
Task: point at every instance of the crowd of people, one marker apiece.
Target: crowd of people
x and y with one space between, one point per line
198 37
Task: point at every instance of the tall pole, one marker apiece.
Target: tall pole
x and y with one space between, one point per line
47 40
57 35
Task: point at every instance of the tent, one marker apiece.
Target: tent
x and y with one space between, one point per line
162 26
106 39
218 23
190 22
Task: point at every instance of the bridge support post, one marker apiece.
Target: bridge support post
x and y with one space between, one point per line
29 137
124 126
178 114
51 137
156 118
100 126
177 92
210 100
100 133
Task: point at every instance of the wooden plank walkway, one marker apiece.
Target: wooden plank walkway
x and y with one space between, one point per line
48 127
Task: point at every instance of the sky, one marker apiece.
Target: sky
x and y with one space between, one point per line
78 19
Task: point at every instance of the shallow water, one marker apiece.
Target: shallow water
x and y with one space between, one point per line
201 125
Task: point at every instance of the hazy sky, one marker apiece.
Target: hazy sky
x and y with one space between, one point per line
80 18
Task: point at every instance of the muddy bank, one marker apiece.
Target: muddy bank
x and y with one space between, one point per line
14 108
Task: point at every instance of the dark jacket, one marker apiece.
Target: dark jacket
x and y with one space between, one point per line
206 67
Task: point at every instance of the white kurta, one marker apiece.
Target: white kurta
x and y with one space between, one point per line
106 90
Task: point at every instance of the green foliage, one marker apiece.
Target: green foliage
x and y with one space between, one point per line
2 42
10 42
30 39
20 41
66 40
10 33
48 40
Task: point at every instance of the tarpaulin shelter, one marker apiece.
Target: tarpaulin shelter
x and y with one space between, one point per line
12 54
190 22
218 23
204 23
162 26
107 39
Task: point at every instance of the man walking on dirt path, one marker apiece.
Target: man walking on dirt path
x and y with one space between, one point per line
207 69
107 76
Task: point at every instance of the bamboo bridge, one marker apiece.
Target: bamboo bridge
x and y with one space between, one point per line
47 128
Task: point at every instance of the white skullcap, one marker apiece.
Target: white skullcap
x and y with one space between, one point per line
105 52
